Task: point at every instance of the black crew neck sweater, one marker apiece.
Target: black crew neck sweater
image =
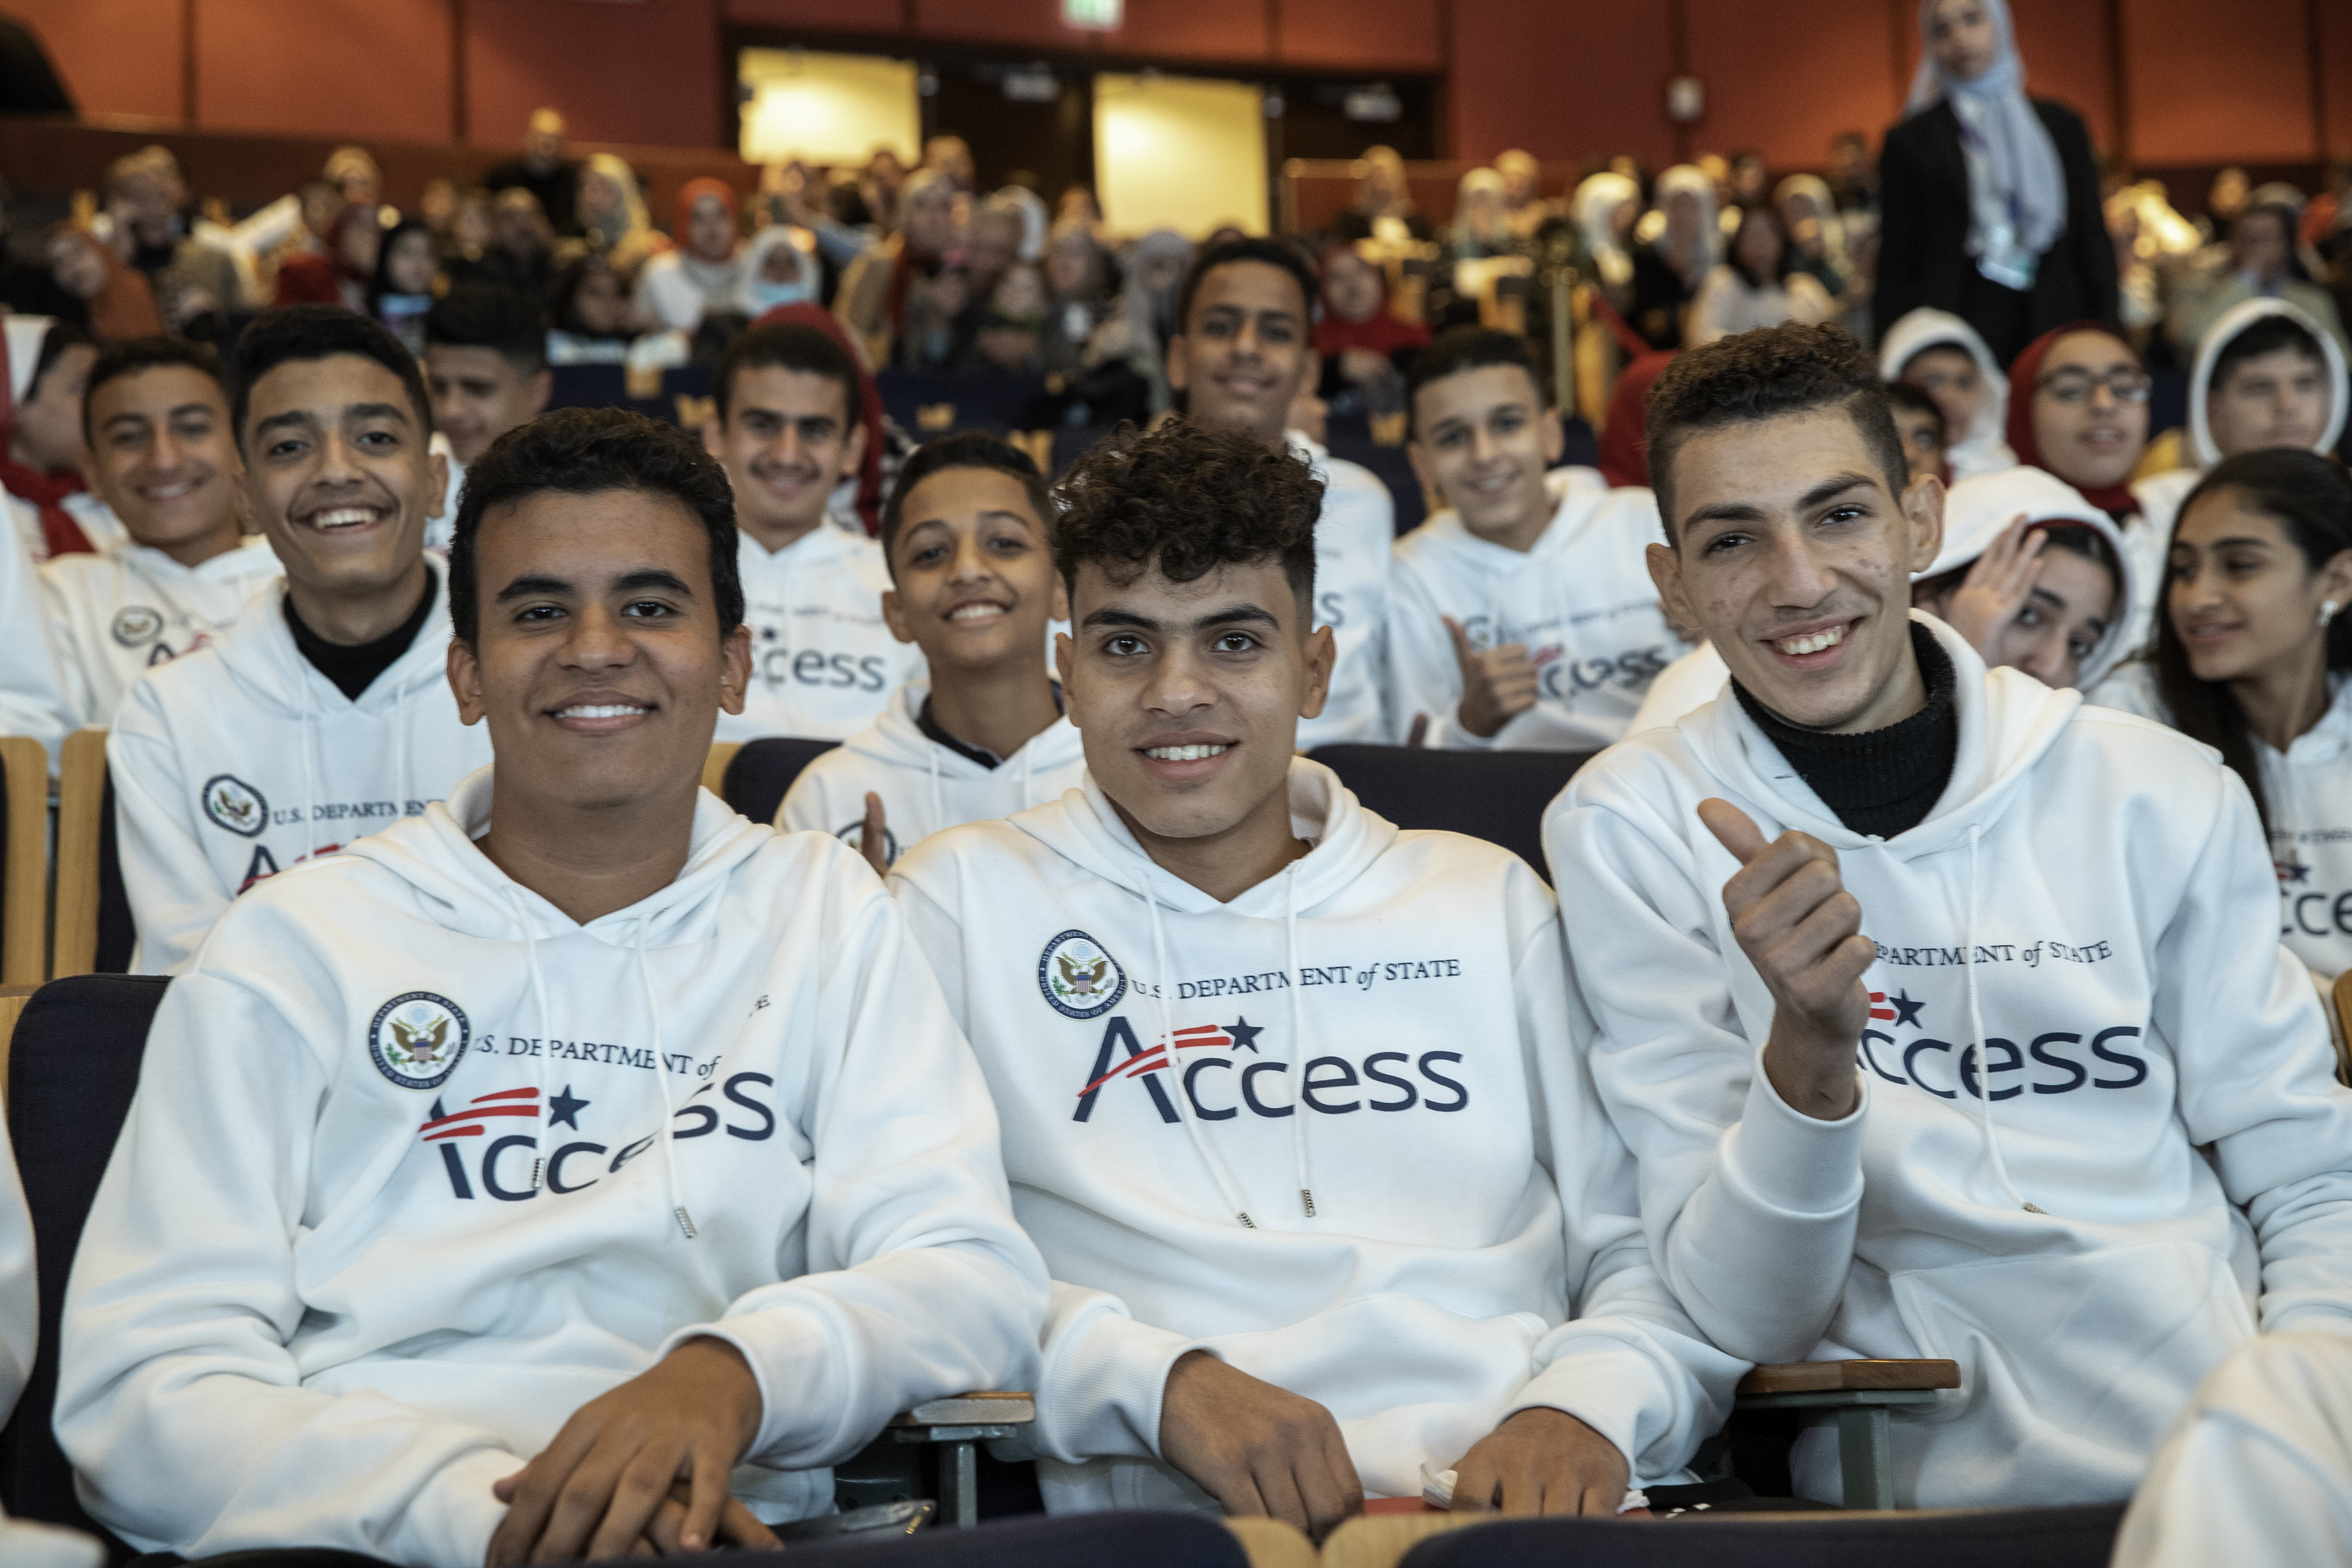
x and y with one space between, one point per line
1881 781
354 670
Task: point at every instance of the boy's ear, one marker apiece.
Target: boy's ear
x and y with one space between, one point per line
894 615
1060 610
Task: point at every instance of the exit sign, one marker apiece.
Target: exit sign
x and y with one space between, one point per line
1098 16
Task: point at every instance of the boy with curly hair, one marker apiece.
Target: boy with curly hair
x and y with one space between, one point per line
1292 1098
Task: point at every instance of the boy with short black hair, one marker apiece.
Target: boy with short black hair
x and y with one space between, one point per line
575 1172
1243 351
321 714
1523 617
161 454
789 427
1234 1023
970 548
2066 1114
486 365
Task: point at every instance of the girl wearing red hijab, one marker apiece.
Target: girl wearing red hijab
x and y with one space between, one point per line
1357 335
2078 409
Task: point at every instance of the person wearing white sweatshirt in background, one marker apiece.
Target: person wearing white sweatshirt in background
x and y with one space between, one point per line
321 714
576 1170
2253 657
2030 574
33 701
1523 617
2065 1114
787 426
1374 1225
966 536
1244 349
1944 357
162 455
25 1544
2266 375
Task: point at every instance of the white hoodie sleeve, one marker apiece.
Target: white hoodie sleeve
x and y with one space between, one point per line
34 701
174 1368
2257 1071
920 1283
175 895
1423 675
1629 1362
20 1318
1750 1207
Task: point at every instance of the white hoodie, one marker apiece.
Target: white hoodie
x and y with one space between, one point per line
1352 539
824 662
1581 599
2166 1162
924 785
1470 1199
2309 793
113 617
20 1323
329 1294
1983 446
33 700
234 763
1975 512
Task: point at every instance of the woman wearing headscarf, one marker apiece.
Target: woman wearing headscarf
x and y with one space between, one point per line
1668 271
611 209
1604 210
780 268
1146 319
677 287
1816 232
1990 199
1482 217
1383 208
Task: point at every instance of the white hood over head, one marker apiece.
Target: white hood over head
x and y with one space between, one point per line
1983 446
1976 511
2201 453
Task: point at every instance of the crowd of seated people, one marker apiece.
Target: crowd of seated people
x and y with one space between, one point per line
1932 956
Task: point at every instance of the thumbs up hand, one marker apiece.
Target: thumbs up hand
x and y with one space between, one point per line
1496 685
1802 931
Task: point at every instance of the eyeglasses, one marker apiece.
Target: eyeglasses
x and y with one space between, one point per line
2072 387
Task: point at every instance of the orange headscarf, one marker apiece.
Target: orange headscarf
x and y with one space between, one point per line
693 190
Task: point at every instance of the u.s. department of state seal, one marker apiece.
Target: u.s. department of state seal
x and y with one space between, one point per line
417 1039
854 833
136 624
1080 979
229 802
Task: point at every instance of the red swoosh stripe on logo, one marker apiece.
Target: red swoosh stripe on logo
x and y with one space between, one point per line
1884 1015
1156 1057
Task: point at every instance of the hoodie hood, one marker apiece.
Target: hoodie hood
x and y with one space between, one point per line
897 740
2007 719
2201 452
1981 448
259 651
1977 510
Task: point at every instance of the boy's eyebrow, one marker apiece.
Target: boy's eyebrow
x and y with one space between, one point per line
1231 614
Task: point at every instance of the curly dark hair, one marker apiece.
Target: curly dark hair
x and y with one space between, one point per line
1184 500
586 452
1766 374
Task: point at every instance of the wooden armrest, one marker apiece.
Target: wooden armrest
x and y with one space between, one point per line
992 1408
1847 1376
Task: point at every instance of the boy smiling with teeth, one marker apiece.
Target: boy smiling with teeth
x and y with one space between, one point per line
971 560
321 714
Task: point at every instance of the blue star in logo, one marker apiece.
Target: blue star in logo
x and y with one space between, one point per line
563 1109
1906 1011
1244 1033
2295 870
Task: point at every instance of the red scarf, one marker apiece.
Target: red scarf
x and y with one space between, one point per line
2115 500
1624 439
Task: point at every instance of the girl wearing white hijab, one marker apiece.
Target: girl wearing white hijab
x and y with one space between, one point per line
1667 271
1975 406
1602 222
1990 198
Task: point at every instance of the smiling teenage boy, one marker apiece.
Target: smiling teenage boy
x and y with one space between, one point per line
788 427
163 455
630 1160
2065 1114
972 562
321 714
1523 617
1293 1106
1243 351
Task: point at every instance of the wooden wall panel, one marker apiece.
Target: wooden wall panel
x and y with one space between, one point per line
89 43
1345 34
645 73
2210 85
346 68
872 17
1564 84
1786 78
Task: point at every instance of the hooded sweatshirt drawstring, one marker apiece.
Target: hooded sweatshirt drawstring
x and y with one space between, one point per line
1297 1034
1977 1034
669 1108
538 1000
1217 1171
939 790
